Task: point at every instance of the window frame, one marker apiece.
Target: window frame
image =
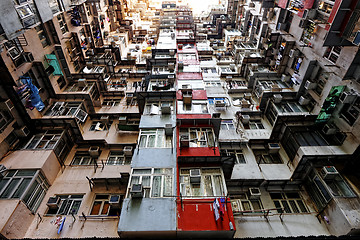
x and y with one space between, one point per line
160 139
65 198
150 175
241 199
82 162
103 202
289 204
120 158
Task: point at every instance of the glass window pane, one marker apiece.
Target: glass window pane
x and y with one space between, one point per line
278 205
106 208
246 205
151 141
218 186
167 186
156 187
286 206
75 207
96 208
143 141
207 186
23 185
146 181
295 209
9 189
301 206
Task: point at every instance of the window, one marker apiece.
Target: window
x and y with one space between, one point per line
325 7
350 112
15 51
117 158
339 188
69 204
62 22
156 182
332 53
199 137
206 182
237 154
102 207
254 124
154 138
27 185
83 158
227 125
75 109
289 202
264 157
47 140
155 107
41 32
111 102
212 83
54 6
188 56
242 203
100 126
196 107
5 119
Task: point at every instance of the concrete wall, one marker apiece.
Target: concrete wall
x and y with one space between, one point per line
15 218
34 159
157 121
154 157
148 215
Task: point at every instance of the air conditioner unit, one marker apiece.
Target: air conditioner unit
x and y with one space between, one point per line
82 82
254 193
348 97
329 172
245 119
122 120
220 103
293 53
277 98
285 78
136 191
195 176
329 129
22 132
171 66
184 141
28 56
273 147
168 129
128 151
172 52
53 202
180 46
216 115
165 108
247 96
129 97
94 151
310 85
228 78
274 51
254 66
304 101
115 201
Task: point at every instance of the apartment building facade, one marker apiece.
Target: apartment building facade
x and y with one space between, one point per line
138 119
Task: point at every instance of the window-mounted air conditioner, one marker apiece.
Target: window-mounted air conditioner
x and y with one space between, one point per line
180 65
310 85
94 151
122 120
277 98
216 115
228 78
329 129
285 78
53 202
172 51
245 119
293 53
220 103
115 201
136 191
304 101
184 141
254 193
195 176
22 132
28 56
247 96
273 147
165 108
168 129
348 97
254 66
329 172
128 151
171 66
